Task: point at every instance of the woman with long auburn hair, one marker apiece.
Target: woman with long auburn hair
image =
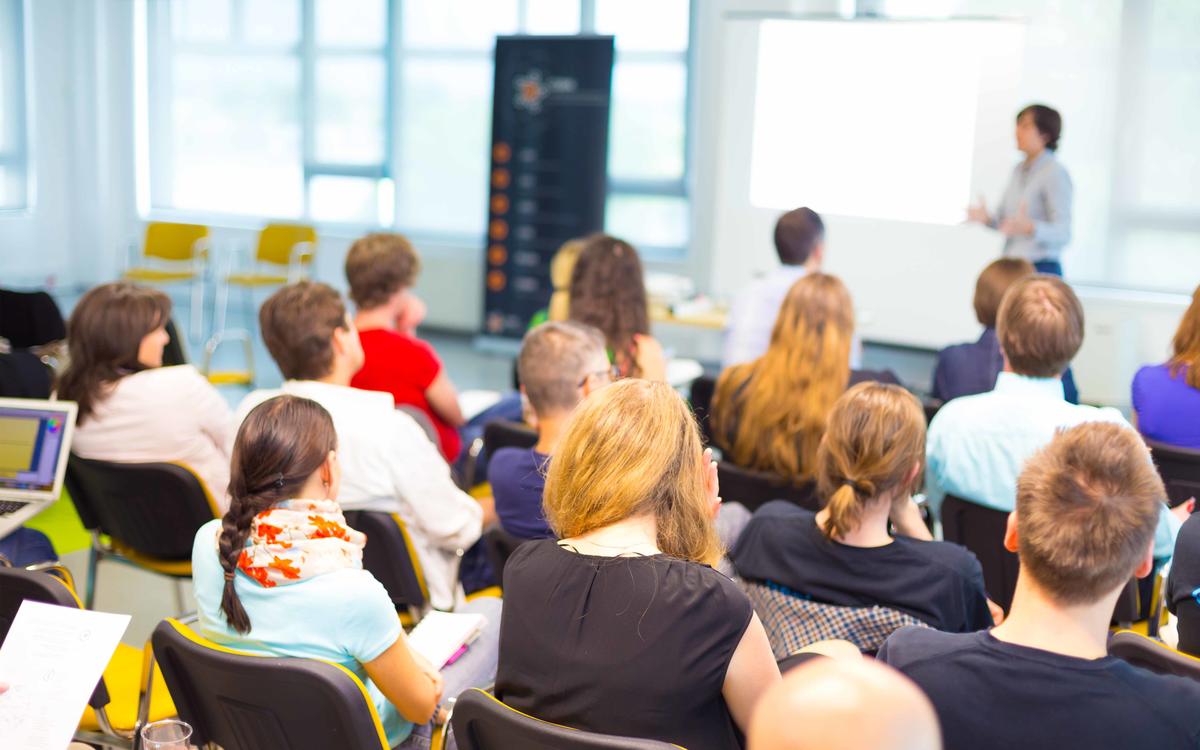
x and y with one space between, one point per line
869 463
621 626
131 408
281 574
1166 397
769 414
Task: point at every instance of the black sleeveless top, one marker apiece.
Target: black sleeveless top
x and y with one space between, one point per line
633 646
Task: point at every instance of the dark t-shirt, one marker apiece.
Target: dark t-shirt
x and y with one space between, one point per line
634 646
992 694
967 369
937 582
1184 580
518 478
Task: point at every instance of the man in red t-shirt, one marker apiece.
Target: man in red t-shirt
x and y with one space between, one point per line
381 268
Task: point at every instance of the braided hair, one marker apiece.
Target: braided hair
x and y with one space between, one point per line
282 442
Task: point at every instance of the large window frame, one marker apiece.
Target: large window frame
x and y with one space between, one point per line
161 46
14 90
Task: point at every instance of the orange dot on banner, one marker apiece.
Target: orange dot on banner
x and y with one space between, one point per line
498 229
501 152
497 255
496 280
499 203
501 178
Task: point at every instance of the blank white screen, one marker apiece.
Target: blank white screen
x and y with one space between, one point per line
873 118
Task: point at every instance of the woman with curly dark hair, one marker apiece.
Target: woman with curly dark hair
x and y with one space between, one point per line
608 293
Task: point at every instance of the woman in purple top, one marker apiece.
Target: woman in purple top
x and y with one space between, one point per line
1166 397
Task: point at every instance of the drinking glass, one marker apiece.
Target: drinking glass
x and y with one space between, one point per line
168 734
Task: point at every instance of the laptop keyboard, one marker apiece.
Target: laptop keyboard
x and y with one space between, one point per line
8 506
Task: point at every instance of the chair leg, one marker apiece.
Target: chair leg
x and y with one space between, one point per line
89 596
179 611
197 309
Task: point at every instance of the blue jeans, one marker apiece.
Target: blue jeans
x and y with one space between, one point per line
475 668
26 547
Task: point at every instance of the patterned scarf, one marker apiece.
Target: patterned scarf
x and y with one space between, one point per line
300 539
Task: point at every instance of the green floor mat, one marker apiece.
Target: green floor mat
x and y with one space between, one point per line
61 523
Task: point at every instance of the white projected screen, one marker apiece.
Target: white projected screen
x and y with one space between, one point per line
875 119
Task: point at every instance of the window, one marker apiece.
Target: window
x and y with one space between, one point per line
14 148
378 112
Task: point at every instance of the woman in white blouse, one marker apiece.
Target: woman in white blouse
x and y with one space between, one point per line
131 408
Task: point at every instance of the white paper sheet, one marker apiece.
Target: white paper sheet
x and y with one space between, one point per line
440 635
51 660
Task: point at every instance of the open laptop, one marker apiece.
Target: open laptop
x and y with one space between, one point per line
35 440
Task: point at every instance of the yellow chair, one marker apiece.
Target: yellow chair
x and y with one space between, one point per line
126 697
175 253
283 256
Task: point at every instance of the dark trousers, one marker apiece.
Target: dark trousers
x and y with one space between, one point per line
1054 268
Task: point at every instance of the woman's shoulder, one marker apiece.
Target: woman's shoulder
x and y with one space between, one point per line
948 555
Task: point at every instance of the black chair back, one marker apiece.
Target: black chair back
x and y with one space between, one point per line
244 702
391 558
1154 655
1187 613
30 319
1179 469
17 586
499 545
701 396
754 488
481 722
981 530
174 352
154 509
1129 606
501 433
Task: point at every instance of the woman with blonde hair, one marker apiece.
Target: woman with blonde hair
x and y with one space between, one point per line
868 465
769 414
1166 397
621 626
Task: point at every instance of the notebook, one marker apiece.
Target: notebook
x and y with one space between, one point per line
440 635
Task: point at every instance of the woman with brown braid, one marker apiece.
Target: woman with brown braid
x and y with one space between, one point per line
281 574
868 464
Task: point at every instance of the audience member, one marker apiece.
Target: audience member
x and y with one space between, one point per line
131 408
800 243
1086 510
1166 397
622 627
390 463
977 444
281 574
608 293
559 365
1183 586
381 268
834 705
769 414
966 369
868 465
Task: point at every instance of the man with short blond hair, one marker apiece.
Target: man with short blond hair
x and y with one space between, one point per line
1086 510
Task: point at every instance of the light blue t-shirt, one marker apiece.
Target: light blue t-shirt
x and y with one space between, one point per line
977 445
344 617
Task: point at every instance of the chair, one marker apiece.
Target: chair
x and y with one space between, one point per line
1187 613
1180 470
981 530
150 512
283 255
175 253
29 319
392 559
793 622
1140 606
122 701
700 397
243 701
931 406
501 433
175 352
1152 654
423 421
499 545
754 488
481 722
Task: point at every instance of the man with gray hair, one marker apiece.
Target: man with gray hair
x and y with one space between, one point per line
559 365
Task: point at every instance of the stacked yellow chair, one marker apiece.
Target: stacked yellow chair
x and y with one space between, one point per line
174 253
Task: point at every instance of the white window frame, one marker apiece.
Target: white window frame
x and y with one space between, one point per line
17 156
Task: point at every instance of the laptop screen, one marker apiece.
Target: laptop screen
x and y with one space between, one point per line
32 444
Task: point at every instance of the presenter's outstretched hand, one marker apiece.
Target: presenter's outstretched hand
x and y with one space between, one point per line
978 212
1020 225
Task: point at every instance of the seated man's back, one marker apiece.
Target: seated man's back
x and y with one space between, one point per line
992 694
518 479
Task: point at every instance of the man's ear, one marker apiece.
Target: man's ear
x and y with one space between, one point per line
1146 564
1010 533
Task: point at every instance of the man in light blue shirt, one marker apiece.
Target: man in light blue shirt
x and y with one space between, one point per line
800 242
978 444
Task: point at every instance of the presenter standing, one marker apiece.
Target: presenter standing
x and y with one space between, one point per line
1035 213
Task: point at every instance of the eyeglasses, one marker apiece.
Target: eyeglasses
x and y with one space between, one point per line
612 373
